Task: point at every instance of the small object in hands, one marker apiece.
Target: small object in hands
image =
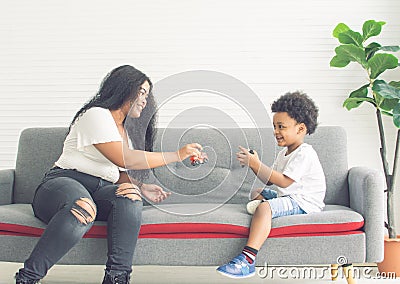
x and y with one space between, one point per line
202 159
251 152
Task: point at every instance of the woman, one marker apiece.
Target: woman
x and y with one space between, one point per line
89 181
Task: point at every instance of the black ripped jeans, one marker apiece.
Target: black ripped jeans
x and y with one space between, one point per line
53 201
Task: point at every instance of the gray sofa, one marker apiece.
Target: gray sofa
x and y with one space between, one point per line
206 214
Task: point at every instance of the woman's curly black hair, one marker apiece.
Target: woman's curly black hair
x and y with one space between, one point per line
119 86
299 107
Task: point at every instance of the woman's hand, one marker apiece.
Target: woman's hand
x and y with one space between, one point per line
245 158
154 193
188 150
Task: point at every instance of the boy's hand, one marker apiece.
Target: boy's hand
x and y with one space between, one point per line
245 158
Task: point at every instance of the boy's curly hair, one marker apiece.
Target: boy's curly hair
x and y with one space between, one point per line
299 107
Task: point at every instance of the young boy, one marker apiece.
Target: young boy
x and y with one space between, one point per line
296 174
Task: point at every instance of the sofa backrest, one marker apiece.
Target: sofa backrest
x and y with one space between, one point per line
38 149
330 143
221 180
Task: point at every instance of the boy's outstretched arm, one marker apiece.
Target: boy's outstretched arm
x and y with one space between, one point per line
264 173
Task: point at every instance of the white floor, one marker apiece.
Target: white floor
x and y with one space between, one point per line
198 275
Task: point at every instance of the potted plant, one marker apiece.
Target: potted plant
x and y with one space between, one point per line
385 98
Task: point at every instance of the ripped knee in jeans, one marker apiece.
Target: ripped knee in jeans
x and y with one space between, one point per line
84 210
130 191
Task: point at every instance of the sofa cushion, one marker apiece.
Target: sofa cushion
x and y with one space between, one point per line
176 221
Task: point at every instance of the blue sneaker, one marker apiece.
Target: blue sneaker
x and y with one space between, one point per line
238 267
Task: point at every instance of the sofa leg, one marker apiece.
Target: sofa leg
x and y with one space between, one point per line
348 272
334 271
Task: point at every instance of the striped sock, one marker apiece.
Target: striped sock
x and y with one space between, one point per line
250 254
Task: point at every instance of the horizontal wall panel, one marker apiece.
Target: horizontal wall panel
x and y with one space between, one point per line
54 54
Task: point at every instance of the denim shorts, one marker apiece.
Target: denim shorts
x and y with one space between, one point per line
281 206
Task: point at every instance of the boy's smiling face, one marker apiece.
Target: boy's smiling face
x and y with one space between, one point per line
288 132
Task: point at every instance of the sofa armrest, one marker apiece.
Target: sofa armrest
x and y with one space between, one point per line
6 186
366 190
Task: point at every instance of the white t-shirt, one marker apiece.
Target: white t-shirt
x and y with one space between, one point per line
95 126
304 167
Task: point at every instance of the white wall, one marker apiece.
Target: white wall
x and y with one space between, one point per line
53 55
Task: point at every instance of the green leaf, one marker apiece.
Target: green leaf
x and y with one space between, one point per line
388 104
375 47
381 62
396 116
387 113
385 104
337 61
385 90
357 97
351 103
371 49
351 37
393 48
340 28
395 84
371 28
352 53
361 92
